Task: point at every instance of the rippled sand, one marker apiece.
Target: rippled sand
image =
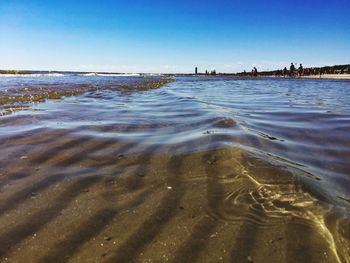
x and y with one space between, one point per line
80 199
118 190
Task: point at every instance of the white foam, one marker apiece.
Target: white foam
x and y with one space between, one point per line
154 74
93 74
88 74
31 75
121 75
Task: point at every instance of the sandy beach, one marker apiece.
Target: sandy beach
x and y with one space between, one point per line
323 76
328 76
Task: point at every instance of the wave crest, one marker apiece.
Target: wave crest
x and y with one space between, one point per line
29 75
93 74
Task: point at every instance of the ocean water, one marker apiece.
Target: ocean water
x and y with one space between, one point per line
305 123
297 125
301 122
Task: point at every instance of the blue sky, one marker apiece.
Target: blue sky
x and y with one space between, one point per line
172 36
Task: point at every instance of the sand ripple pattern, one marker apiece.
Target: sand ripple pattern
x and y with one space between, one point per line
143 176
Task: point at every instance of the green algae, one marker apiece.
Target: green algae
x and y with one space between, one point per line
16 99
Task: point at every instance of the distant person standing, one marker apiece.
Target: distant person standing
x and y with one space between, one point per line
255 72
291 69
300 70
285 71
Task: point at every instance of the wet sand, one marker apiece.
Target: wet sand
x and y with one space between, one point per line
69 199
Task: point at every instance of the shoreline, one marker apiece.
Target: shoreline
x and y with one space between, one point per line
328 76
323 76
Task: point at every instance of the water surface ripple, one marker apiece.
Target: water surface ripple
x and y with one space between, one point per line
305 123
210 160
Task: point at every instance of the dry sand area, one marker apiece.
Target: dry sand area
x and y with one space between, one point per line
329 76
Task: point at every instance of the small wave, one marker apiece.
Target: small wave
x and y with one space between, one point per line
88 74
154 74
121 75
93 74
32 75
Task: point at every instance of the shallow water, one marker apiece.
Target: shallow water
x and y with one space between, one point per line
206 169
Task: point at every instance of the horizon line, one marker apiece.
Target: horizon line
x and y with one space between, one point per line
114 72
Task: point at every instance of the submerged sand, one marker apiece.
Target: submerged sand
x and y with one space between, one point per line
66 198
16 98
70 196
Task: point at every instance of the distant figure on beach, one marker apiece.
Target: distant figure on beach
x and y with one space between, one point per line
285 71
255 72
300 70
196 71
291 70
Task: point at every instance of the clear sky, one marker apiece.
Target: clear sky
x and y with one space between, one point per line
172 36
